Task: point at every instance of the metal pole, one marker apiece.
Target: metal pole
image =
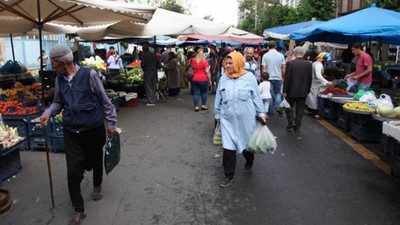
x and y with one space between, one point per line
40 26
155 44
13 55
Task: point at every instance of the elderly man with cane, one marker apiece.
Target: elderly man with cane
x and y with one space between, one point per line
80 93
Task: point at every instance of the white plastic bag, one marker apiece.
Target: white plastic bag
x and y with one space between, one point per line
384 99
284 105
217 138
350 83
262 141
368 97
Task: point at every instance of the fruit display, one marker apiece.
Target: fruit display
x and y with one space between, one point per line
9 136
133 64
14 108
28 91
334 91
358 106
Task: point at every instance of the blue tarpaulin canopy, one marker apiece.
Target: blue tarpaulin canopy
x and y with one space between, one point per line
370 24
283 32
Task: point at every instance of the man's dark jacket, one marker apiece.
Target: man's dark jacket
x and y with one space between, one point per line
298 78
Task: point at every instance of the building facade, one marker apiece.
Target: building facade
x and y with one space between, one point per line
348 6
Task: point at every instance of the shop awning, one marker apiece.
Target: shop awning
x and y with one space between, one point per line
163 22
370 24
283 32
233 34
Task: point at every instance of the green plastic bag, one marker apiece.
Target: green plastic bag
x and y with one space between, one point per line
112 154
358 95
361 93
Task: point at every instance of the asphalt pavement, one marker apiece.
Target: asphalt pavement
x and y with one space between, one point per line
170 171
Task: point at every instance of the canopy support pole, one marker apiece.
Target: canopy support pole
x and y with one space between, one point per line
13 55
40 26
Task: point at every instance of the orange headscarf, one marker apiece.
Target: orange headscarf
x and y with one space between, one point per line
238 65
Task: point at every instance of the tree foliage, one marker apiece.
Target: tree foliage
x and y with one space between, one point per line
172 6
271 13
387 4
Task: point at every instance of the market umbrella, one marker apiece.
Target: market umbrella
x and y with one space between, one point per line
70 12
283 32
370 24
163 22
233 34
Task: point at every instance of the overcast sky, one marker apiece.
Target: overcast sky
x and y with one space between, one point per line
224 11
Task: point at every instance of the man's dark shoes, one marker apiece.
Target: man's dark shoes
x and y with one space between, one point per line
279 111
77 218
97 195
226 183
289 127
296 129
248 166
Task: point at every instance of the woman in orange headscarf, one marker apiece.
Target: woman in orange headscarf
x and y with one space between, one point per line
237 104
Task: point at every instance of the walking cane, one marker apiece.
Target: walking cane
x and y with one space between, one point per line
49 169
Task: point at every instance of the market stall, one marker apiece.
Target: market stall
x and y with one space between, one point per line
366 117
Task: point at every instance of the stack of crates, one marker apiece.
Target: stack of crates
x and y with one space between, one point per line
365 128
344 120
328 110
56 137
36 134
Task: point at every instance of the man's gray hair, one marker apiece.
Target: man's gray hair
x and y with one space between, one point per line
61 53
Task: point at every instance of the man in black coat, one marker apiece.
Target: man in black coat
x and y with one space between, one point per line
150 64
298 77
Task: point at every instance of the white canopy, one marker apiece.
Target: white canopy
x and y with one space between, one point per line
20 27
163 22
233 34
75 12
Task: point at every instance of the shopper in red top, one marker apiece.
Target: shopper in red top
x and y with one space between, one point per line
110 52
363 73
201 80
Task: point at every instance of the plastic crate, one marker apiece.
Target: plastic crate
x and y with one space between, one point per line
344 121
10 164
37 142
115 102
330 111
36 129
56 128
22 131
132 103
56 143
395 166
365 133
365 120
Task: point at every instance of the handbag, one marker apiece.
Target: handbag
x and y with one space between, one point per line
112 154
189 73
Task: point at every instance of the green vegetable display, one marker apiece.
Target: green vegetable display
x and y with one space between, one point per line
397 109
386 111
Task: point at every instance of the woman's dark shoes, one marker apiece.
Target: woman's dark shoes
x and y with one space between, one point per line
227 182
97 195
77 218
204 107
317 117
248 166
196 109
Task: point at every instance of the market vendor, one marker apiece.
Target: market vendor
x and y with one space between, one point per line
363 73
317 81
80 93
